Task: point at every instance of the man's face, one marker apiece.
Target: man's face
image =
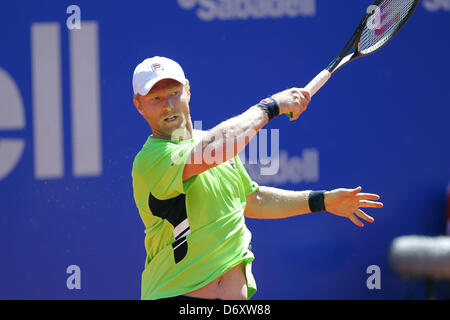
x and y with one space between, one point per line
166 108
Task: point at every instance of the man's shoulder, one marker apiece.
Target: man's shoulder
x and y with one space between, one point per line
199 134
160 150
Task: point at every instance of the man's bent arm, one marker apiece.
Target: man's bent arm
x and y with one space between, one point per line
230 137
225 141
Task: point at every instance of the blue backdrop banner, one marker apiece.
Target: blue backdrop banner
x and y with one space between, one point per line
69 228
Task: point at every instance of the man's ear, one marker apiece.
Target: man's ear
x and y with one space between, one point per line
188 89
137 104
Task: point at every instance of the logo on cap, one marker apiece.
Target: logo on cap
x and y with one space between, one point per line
157 66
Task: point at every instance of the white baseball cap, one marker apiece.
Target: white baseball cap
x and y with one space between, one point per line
154 69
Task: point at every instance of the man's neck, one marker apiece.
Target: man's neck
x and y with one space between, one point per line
183 133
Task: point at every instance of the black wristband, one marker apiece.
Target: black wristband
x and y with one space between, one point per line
316 201
270 106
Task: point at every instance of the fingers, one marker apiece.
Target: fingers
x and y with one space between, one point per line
362 200
298 101
370 204
364 216
356 221
356 190
306 94
301 98
364 196
367 196
305 98
295 116
294 100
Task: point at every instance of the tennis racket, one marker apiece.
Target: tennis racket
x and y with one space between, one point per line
382 21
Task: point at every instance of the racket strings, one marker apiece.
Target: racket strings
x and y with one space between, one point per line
392 13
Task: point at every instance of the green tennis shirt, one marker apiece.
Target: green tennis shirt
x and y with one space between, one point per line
195 229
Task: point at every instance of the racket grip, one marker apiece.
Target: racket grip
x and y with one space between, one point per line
315 84
318 82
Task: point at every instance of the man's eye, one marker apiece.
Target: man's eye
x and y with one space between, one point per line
175 93
156 98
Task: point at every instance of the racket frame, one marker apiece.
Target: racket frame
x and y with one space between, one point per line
343 58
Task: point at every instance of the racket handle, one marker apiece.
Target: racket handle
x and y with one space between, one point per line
316 84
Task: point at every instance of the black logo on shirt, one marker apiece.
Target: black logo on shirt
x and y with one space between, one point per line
174 211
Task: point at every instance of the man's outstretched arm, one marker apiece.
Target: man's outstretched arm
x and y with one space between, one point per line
274 203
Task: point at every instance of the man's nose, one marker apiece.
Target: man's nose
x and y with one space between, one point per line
169 104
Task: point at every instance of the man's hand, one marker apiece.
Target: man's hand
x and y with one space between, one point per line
293 100
346 203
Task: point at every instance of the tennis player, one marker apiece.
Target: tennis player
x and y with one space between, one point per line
192 196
